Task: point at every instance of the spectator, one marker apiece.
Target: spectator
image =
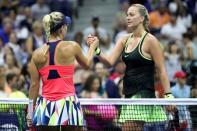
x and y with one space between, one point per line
118 71
158 18
96 30
15 47
122 33
108 46
96 119
175 6
80 77
78 37
181 90
101 70
11 63
93 88
37 39
173 30
28 21
185 18
6 30
173 63
39 9
64 6
13 82
22 28
108 85
189 48
120 23
7 5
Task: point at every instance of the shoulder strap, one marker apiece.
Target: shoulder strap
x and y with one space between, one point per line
52 47
127 41
140 44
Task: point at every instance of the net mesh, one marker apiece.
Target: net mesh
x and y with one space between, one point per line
13 114
140 114
114 114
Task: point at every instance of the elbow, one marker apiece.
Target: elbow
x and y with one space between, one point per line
109 65
88 65
34 87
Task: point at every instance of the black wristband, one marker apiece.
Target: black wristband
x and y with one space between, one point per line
168 93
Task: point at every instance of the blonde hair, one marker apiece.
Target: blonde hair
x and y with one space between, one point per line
51 20
143 12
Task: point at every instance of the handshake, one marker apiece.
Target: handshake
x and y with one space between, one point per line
93 42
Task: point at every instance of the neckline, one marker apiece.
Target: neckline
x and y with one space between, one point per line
127 52
54 41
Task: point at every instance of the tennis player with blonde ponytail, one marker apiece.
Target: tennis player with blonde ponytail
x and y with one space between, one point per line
142 55
58 107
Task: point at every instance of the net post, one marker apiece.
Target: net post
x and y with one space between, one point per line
30 108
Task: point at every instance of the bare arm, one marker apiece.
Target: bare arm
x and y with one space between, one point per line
86 62
112 58
35 81
190 53
158 57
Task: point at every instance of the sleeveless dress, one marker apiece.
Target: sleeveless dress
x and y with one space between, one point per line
138 82
58 104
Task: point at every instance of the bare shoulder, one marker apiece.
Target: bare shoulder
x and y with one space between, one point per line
40 54
151 39
73 43
70 44
124 39
152 43
70 47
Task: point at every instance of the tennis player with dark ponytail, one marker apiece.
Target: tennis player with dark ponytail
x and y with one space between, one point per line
58 107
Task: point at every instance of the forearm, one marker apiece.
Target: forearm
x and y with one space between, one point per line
105 59
90 57
33 93
165 81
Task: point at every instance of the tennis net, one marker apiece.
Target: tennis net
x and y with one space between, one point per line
114 114
13 114
140 114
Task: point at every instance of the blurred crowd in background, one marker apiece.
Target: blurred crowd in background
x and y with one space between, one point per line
173 22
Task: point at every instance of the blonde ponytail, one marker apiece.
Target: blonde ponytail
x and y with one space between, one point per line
46 24
146 22
50 22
